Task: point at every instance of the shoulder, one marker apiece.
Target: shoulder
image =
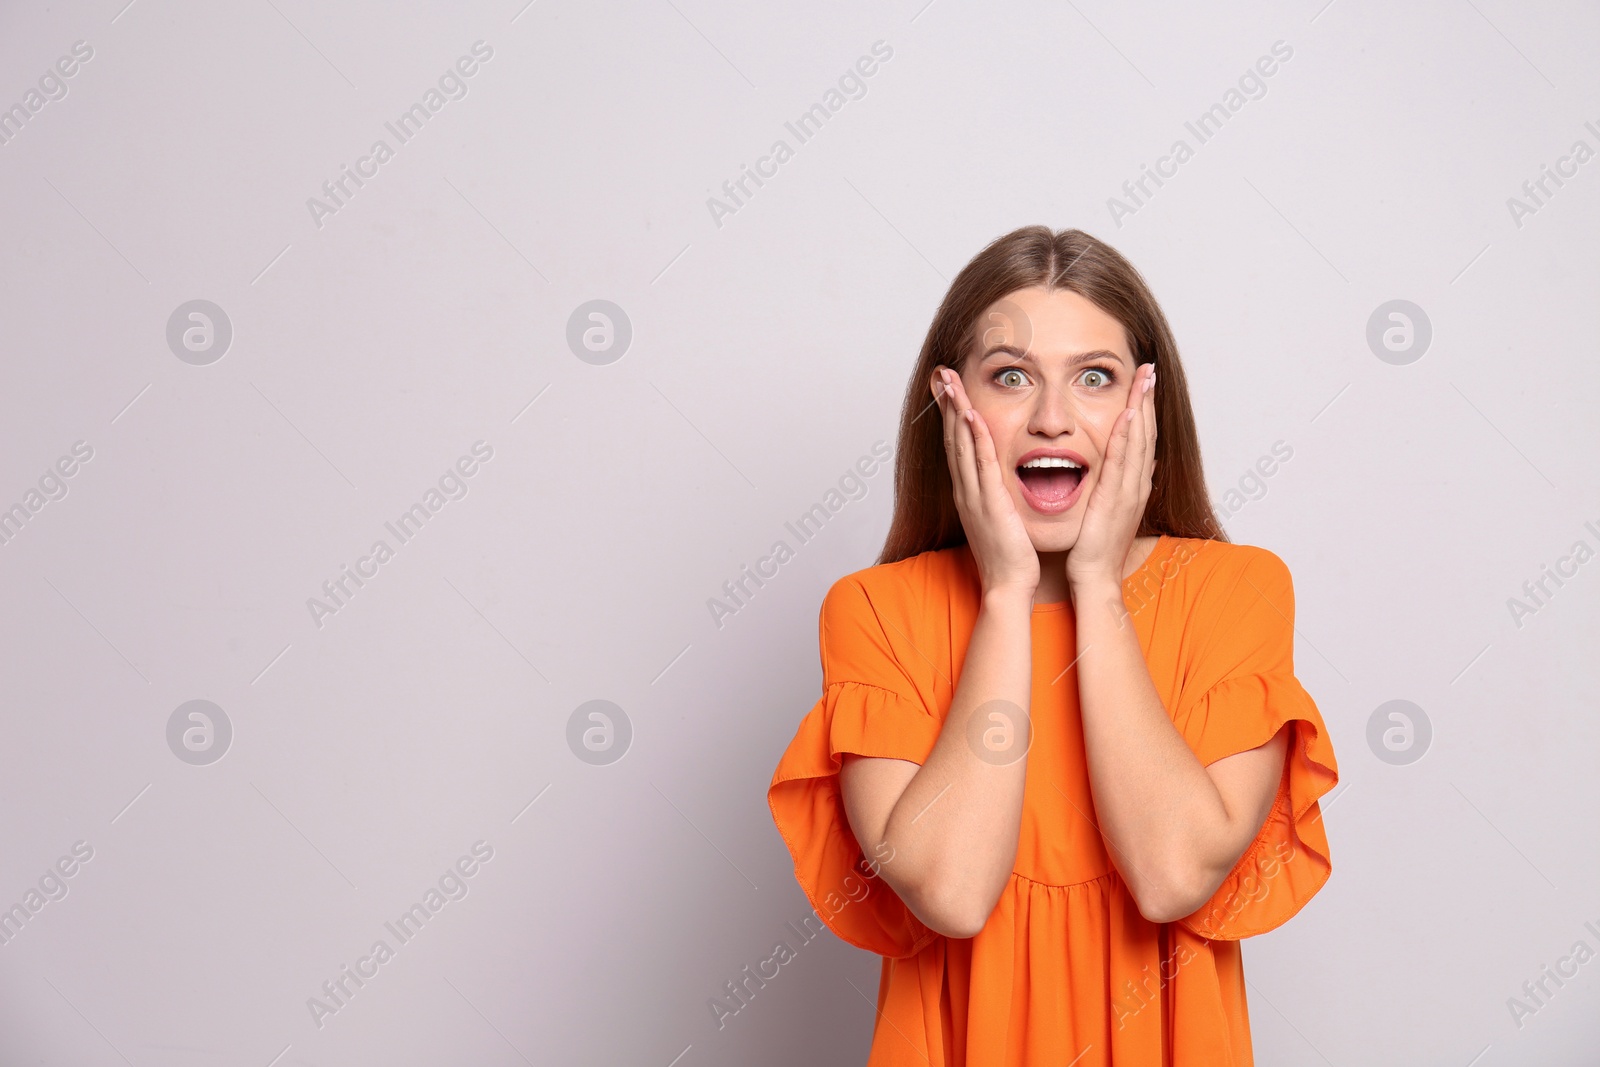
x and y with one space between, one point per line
880 625
907 586
1215 579
1222 561
1244 589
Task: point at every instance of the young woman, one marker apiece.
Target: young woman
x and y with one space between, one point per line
1061 763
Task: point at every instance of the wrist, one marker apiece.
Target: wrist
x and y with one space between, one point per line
1094 589
1093 580
1007 597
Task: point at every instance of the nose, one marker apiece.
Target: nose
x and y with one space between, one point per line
1054 413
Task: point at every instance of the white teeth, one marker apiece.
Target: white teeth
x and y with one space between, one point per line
1052 461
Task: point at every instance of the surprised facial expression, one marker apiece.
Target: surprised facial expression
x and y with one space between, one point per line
1049 373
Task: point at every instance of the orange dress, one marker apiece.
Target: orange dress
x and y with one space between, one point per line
1066 970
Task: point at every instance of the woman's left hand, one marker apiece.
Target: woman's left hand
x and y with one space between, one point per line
1116 505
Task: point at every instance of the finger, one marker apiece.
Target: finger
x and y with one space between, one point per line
987 460
1152 431
947 419
1132 455
958 440
1117 446
941 400
1135 454
991 497
958 390
1137 470
964 405
1136 389
1137 459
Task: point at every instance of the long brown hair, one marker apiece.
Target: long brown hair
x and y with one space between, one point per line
925 516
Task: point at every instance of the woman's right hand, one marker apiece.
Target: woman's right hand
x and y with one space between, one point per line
1000 543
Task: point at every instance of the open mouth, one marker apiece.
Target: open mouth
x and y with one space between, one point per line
1050 483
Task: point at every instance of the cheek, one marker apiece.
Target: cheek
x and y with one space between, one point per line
1003 421
1100 426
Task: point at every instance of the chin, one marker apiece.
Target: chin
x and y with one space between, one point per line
1057 536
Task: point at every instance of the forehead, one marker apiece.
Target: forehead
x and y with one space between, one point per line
1049 326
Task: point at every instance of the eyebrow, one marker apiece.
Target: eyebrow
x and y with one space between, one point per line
1028 357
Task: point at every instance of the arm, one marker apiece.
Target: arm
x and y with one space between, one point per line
1176 828
953 822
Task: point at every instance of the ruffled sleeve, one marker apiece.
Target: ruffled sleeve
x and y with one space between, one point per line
1245 691
869 706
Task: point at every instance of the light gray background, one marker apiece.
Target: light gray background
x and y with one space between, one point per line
768 355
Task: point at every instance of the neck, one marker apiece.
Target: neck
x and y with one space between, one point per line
1052 587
